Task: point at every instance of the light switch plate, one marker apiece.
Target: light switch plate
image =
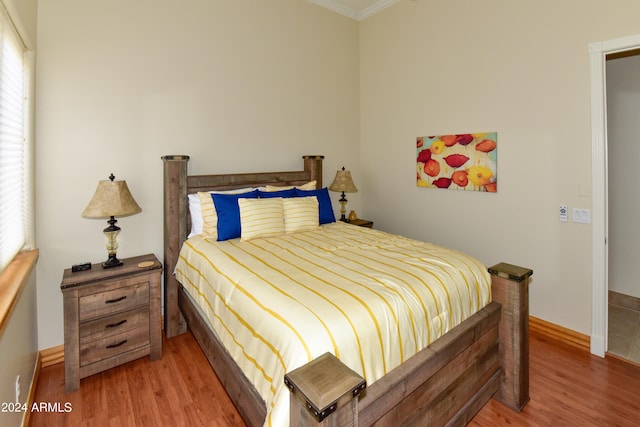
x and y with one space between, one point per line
583 216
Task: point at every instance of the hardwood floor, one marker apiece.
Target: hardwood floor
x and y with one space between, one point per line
569 387
180 389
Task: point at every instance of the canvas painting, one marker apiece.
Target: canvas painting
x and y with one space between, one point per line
458 162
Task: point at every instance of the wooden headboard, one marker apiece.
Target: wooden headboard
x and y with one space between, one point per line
178 184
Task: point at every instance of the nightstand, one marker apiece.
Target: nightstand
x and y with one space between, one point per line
111 316
362 223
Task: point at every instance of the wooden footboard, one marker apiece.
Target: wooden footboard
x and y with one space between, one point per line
444 384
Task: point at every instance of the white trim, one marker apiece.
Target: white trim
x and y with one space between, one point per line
598 52
375 8
336 7
358 15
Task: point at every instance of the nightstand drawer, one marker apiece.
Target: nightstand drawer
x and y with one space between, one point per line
115 324
98 350
123 298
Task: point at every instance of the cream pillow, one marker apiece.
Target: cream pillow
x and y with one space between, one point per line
260 218
311 185
300 214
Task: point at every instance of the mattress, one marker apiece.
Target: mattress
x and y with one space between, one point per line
371 298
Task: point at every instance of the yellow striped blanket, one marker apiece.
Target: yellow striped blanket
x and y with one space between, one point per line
371 298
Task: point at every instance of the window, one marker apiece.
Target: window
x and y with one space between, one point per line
15 198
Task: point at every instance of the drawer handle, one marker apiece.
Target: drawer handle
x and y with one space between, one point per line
115 325
116 345
111 301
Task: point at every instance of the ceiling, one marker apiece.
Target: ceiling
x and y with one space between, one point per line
355 9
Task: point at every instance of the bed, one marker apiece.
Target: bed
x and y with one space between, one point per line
473 347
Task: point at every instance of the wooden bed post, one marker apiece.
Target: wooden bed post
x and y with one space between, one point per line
175 232
313 164
510 287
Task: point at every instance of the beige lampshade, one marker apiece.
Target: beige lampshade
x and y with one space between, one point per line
343 182
112 198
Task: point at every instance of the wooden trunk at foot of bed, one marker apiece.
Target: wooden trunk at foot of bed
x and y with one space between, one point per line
444 384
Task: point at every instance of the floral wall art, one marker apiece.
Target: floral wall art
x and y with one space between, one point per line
458 162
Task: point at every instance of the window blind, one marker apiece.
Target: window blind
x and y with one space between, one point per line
13 144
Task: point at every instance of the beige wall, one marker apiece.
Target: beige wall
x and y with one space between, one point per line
237 85
518 68
623 107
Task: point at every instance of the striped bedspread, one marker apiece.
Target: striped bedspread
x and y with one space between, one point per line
371 298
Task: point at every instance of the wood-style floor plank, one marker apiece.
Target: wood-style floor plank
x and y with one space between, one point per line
180 389
569 387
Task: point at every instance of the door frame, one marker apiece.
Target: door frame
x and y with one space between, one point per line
598 52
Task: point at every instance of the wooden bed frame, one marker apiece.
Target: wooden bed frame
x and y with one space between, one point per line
444 384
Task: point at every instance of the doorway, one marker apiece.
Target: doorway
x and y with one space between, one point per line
622 94
600 261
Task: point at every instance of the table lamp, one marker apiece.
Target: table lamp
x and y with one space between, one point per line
343 183
111 199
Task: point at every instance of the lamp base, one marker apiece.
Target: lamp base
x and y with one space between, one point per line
113 261
343 208
112 232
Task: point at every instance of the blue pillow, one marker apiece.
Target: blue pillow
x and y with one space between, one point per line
324 203
280 193
229 213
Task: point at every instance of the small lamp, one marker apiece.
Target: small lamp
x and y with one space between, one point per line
111 199
344 183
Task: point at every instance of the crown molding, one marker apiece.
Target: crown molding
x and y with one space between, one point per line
375 8
340 8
